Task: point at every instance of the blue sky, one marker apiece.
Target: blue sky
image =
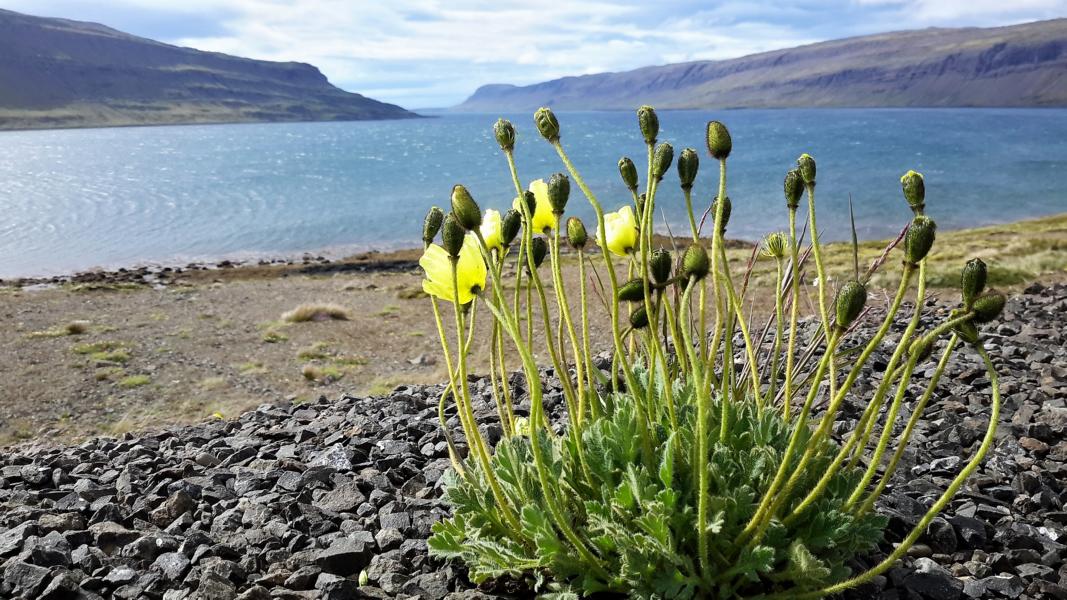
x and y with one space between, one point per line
429 53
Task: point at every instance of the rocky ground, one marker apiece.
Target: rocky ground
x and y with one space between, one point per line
305 501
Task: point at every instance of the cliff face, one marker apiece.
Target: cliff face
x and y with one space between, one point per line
60 73
1020 65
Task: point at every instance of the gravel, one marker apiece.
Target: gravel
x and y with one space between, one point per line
303 501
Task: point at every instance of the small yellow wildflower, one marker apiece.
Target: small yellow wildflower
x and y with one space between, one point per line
543 218
621 231
470 271
491 231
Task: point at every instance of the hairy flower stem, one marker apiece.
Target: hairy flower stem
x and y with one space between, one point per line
568 325
776 349
728 359
738 309
688 193
938 506
817 251
793 314
594 405
453 454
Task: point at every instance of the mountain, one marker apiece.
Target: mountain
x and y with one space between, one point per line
1019 65
60 73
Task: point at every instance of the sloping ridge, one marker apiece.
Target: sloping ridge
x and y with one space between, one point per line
1019 65
62 73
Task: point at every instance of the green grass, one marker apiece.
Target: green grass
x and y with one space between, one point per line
274 337
134 381
316 351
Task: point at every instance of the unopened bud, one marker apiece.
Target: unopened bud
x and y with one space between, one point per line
547 124
628 172
774 245
919 239
972 281
465 208
452 234
639 318
719 142
504 132
432 224
695 261
559 190
688 163
967 330
851 299
576 234
632 291
988 306
649 123
794 189
914 191
509 226
539 250
727 208
806 167
531 202
660 264
661 160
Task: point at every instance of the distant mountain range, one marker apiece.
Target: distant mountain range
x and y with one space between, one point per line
1020 65
60 73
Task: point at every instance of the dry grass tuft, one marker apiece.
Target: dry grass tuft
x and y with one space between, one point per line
317 312
321 374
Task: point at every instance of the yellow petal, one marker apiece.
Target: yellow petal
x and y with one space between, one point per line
490 229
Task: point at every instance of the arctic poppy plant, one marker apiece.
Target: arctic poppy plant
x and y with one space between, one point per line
470 271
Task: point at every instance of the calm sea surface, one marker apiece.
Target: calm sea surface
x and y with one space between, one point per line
77 199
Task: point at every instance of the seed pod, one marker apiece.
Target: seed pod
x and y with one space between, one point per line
719 142
727 208
919 239
661 160
695 262
806 167
972 281
988 306
576 233
432 224
660 264
547 124
639 318
510 225
649 123
688 163
851 299
539 250
452 234
774 245
794 189
559 190
504 132
632 291
465 208
628 172
914 191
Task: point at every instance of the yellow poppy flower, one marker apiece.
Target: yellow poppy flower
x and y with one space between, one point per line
490 230
621 231
543 218
470 271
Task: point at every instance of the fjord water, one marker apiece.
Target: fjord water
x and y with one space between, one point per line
78 199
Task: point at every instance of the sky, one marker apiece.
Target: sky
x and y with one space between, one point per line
430 53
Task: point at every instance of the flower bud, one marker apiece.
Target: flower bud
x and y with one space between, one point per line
432 224
661 160
559 190
806 167
988 306
967 330
972 280
695 262
531 203
547 124
628 172
539 250
465 208
851 299
639 318
794 189
660 264
774 245
649 123
509 227
576 234
504 132
452 234
914 191
919 239
688 163
640 205
719 142
632 291
727 207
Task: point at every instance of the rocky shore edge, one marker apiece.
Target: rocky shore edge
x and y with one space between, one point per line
335 499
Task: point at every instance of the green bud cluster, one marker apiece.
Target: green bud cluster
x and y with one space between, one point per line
919 239
695 262
851 299
452 235
660 265
806 168
510 225
539 250
559 190
794 189
972 281
914 191
632 291
727 208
